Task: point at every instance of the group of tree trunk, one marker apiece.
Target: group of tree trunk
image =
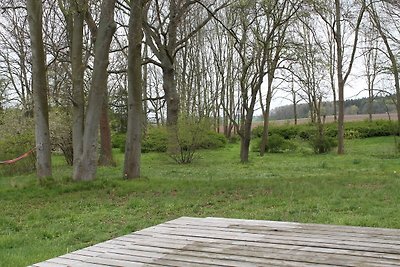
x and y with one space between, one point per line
221 60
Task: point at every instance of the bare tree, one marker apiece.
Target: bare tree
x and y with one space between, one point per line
278 16
345 52
162 30
390 53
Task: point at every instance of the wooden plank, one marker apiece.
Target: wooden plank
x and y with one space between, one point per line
370 239
328 227
203 242
320 242
288 227
179 241
281 226
256 246
102 260
258 255
70 262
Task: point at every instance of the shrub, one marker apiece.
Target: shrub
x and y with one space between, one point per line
276 144
189 135
16 138
212 140
323 144
286 131
61 134
118 140
257 132
352 134
156 140
234 139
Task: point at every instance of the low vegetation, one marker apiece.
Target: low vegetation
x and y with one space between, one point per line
59 216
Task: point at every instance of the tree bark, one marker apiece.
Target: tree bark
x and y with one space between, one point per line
78 68
40 88
135 116
87 164
172 98
341 81
106 156
266 113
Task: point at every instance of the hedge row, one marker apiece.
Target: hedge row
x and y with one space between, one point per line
357 129
156 140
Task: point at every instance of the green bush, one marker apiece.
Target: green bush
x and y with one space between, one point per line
356 129
234 139
61 134
118 140
286 131
257 132
16 138
155 140
323 144
352 134
212 140
276 144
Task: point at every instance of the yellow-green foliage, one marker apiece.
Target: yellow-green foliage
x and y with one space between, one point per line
16 138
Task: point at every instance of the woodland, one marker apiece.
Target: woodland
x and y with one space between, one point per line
81 73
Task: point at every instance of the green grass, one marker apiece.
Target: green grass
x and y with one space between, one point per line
38 222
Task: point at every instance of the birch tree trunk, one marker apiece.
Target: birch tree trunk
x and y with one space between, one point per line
87 162
39 85
135 116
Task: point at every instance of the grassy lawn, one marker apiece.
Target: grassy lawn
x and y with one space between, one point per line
43 221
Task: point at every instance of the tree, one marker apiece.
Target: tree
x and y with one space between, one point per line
350 19
162 32
15 53
278 16
39 87
390 53
87 161
135 117
75 17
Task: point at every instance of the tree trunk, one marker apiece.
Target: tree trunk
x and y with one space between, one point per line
265 134
172 99
78 97
106 156
341 81
135 116
266 113
244 149
39 85
370 99
245 138
87 163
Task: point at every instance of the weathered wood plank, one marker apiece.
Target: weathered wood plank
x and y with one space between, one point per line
361 232
369 239
203 242
320 242
183 241
250 254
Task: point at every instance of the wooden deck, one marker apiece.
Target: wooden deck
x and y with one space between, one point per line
231 242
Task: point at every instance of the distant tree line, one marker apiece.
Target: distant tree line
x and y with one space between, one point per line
380 105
